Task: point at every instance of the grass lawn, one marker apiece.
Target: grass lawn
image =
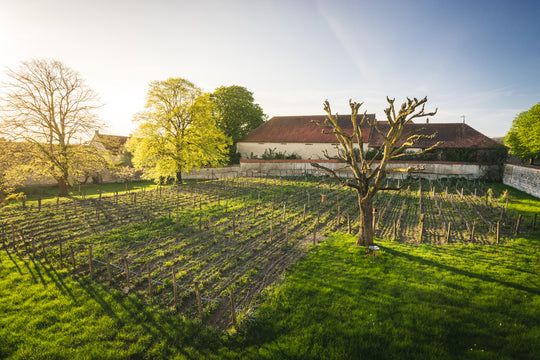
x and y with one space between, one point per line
48 314
407 302
410 302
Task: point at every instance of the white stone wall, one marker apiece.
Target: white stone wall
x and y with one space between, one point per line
432 170
305 150
523 178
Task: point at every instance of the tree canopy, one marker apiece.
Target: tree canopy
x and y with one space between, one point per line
368 174
177 131
524 135
48 105
236 113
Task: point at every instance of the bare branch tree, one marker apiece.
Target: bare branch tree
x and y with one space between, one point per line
368 174
49 105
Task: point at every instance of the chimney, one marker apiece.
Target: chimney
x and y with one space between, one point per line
427 120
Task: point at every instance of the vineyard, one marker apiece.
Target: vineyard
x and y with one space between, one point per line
204 247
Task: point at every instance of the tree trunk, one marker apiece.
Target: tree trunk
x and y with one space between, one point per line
365 232
179 177
62 187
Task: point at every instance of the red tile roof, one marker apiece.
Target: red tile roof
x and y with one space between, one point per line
301 129
452 135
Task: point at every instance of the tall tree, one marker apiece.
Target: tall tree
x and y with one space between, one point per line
177 131
237 114
369 174
523 138
49 105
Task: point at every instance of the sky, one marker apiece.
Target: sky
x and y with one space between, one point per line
477 61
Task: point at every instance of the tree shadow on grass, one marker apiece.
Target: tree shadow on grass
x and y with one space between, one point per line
13 261
458 271
161 325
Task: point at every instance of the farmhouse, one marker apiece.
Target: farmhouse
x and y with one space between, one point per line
112 145
299 135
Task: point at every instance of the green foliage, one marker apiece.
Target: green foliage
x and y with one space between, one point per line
273 154
523 138
177 132
236 114
495 155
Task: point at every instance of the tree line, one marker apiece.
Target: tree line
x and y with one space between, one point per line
48 115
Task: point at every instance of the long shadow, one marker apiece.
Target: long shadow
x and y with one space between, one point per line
138 313
13 261
89 287
460 271
58 281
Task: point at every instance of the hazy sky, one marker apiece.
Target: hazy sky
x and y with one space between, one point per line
480 59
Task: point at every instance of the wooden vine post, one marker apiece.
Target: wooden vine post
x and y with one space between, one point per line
421 227
90 261
518 223
448 232
72 255
126 269
498 234
233 307
175 290
149 280
199 302
533 225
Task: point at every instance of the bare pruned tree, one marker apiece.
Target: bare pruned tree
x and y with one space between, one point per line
368 174
49 105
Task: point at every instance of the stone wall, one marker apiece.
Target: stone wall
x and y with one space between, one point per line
214 173
432 169
524 178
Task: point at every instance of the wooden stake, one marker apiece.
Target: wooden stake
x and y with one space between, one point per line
422 219
498 235
175 290
199 302
533 225
149 281
448 232
72 256
315 232
472 231
348 224
61 253
518 223
126 269
233 307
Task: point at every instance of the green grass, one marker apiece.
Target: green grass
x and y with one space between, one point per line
422 302
47 314
412 301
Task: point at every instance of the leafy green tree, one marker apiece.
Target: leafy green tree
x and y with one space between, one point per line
48 105
177 131
524 135
236 113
